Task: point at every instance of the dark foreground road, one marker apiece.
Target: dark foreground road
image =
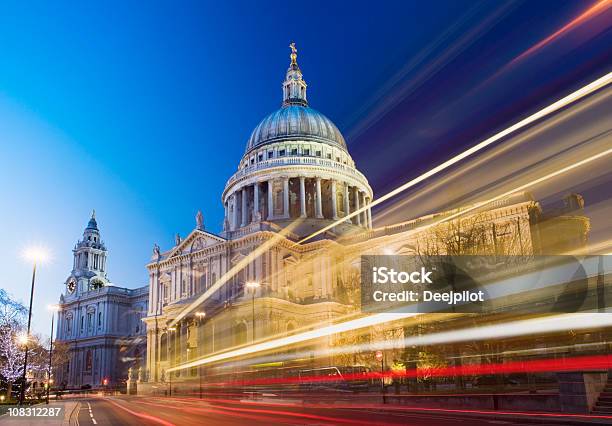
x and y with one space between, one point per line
186 411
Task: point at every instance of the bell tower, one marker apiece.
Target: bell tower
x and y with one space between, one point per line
89 264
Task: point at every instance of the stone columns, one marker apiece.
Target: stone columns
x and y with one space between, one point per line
368 214
235 205
334 200
363 213
270 201
244 206
286 198
357 207
318 204
347 204
256 201
302 196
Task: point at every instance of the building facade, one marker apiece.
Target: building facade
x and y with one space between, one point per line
100 322
257 279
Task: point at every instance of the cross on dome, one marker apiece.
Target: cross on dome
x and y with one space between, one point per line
294 86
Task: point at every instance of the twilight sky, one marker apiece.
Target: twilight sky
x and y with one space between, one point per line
142 110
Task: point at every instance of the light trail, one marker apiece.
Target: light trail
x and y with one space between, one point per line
391 408
556 106
376 318
542 325
580 363
297 338
596 9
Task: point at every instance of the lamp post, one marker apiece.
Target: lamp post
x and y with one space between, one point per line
253 286
53 309
200 315
380 356
35 255
171 329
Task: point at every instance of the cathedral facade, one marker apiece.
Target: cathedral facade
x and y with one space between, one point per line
99 322
257 279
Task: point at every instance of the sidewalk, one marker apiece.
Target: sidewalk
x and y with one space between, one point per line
70 414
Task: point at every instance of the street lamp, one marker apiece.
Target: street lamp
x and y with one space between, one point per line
253 286
171 356
53 309
35 255
200 315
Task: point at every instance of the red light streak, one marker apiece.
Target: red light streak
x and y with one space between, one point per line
531 366
599 7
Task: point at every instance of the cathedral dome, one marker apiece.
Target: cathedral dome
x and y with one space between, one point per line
296 122
296 172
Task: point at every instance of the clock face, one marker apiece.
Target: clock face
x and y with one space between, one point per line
71 286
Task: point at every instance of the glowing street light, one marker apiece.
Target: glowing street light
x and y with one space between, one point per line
22 339
36 255
253 286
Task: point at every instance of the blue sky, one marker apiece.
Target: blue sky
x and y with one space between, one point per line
142 110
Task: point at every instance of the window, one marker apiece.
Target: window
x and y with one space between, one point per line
252 160
338 159
99 319
260 157
68 325
318 153
270 154
90 318
329 156
82 323
294 151
306 152
88 360
281 153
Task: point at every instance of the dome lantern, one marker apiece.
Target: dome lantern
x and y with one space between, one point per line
294 86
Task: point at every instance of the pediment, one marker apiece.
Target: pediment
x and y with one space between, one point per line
196 241
237 258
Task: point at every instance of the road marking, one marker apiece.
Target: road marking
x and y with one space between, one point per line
91 414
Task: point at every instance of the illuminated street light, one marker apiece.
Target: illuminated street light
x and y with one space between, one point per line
253 286
36 255
22 339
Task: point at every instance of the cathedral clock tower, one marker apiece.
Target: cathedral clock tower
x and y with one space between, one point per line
89 265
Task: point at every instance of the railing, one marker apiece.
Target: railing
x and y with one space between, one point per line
295 161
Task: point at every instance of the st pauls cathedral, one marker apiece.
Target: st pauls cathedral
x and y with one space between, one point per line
287 261
297 177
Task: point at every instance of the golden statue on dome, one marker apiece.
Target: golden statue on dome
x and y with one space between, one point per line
293 53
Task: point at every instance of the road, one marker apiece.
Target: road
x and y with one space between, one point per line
189 411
